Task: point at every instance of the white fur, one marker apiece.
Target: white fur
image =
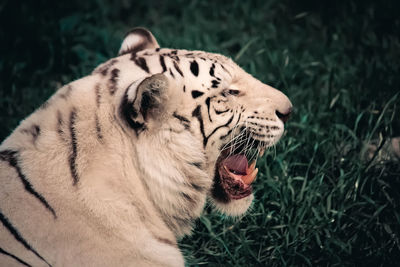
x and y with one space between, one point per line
128 205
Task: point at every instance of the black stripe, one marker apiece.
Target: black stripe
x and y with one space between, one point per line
215 83
196 164
173 56
197 187
227 134
222 66
197 113
104 68
172 74
177 68
194 68
162 62
14 257
220 112
140 62
74 150
181 118
208 108
184 121
187 197
60 123
98 96
196 94
219 127
12 158
230 131
212 70
34 130
7 224
98 128
165 241
104 71
184 88
113 81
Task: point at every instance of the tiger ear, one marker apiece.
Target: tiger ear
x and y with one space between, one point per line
144 100
137 40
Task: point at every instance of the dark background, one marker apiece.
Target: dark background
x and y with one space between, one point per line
319 200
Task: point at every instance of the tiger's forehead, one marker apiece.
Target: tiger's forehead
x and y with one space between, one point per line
177 54
197 72
199 59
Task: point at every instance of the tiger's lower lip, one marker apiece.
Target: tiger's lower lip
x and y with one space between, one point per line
233 188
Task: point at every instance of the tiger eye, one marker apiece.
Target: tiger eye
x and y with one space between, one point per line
234 92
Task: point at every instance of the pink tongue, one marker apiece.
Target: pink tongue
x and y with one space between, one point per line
237 164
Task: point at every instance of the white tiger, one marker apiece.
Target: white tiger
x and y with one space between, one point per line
116 166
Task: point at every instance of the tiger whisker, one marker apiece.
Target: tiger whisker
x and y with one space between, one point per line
231 144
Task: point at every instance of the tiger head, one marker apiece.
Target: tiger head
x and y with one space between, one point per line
206 118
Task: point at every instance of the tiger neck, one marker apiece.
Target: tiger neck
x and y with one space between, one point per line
175 181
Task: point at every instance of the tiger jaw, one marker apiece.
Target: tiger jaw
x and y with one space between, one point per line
235 171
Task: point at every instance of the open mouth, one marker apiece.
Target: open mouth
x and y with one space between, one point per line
235 171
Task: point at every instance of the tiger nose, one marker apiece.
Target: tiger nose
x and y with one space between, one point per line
281 103
284 114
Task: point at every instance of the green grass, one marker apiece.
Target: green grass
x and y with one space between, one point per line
317 202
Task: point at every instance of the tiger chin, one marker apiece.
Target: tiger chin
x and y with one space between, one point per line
115 167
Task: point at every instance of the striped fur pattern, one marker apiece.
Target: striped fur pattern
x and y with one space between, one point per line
116 166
